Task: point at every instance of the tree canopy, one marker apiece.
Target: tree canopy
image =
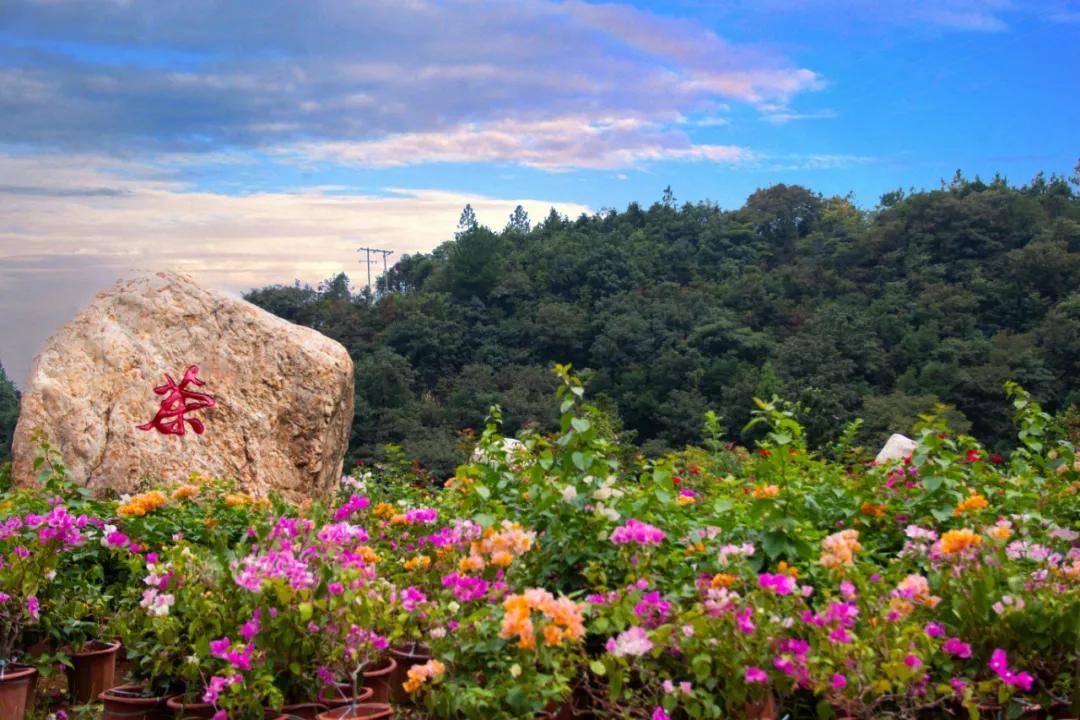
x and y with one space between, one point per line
669 311
9 414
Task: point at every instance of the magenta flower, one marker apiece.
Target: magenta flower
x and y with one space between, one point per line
912 661
839 681
954 646
755 675
33 607
779 583
659 714
638 532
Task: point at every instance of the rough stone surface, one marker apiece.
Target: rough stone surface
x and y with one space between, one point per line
284 393
897 447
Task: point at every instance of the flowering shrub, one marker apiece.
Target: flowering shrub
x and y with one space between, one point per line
558 570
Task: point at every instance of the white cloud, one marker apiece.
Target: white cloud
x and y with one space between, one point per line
61 239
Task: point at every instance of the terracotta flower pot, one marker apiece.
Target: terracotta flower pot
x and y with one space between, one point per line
305 711
16 690
379 680
341 695
133 702
92 672
762 709
185 710
406 657
359 711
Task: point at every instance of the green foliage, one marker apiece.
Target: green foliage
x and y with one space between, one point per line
669 311
9 415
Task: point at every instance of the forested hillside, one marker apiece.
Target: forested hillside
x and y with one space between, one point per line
669 311
9 413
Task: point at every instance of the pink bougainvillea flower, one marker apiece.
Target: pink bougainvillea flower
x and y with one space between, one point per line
839 681
779 583
635 531
755 675
954 646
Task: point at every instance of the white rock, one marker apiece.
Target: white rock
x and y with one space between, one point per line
284 393
897 447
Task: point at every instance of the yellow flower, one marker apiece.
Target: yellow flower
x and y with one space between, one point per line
956 541
420 562
974 503
685 500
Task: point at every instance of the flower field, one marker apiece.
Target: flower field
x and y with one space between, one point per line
564 577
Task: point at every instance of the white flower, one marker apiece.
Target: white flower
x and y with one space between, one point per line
105 533
453 607
515 670
438 632
157 604
603 493
610 513
569 493
192 659
50 575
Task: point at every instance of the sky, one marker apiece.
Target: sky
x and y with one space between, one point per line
262 141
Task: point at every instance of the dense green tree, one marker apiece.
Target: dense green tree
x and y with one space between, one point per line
930 297
9 414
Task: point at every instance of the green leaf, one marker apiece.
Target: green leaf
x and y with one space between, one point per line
482 491
598 668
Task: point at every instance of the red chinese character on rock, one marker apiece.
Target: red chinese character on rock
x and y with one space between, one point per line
178 401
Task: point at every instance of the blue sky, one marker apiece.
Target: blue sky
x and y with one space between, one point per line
261 141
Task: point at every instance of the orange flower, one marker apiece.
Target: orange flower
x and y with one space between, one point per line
874 510
368 555
142 504
974 503
563 618
956 541
839 549
766 491
384 510
786 569
420 562
722 580
419 674
185 492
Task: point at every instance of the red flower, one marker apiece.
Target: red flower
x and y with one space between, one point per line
941 436
764 452
996 459
676 480
695 470
973 456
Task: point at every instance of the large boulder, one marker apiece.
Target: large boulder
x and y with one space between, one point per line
897 447
282 393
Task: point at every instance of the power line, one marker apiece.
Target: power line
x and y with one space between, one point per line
368 252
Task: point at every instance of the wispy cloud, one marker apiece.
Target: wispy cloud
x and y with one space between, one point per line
782 118
557 144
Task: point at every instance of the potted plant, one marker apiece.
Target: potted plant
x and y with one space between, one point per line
32 546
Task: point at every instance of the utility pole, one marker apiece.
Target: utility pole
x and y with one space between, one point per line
368 252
